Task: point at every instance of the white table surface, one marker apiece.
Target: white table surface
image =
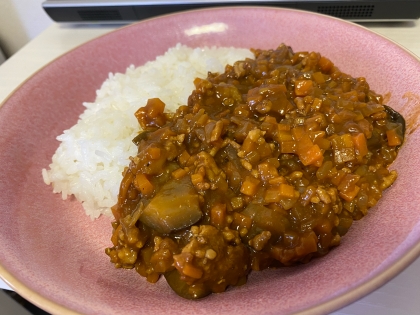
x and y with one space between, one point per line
400 296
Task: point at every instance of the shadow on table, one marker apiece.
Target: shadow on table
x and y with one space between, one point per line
32 309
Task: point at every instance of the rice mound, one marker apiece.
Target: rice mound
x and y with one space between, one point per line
93 153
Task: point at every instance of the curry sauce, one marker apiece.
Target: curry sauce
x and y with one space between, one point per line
268 165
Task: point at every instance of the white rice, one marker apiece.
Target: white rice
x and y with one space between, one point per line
93 153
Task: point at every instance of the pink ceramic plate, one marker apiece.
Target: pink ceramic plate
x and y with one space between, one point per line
53 254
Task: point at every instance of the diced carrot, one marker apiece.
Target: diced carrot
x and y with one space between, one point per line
218 215
269 124
249 144
304 144
314 135
249 186
202 120
324 226
241 221
336 119
393 138
312 124
283 135
155 107
151 115
183 158
277 181
347 140
348 182
197 178
308 152
298 132
319 161
179 173
360 144
270 119
336 179
312 155
303 87
349 195
325 64
202 84
267 171
143 185
191 271
286 191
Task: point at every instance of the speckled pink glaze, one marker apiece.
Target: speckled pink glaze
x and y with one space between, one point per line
52 254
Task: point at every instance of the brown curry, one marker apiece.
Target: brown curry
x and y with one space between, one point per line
267 166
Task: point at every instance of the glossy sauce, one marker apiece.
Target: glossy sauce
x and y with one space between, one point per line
267 166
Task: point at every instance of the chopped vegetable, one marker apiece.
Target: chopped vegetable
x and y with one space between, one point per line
175 206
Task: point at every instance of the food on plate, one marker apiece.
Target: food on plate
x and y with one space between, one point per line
267 165
93 153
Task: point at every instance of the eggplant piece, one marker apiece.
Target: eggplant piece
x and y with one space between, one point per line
191 292
175 206
141 136
266 219
396 117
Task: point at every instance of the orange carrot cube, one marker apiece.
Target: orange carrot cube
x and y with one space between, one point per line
249 186
191 271
350 194
143 185
179 173
360 144
286 191
218 215
393 138
303 87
